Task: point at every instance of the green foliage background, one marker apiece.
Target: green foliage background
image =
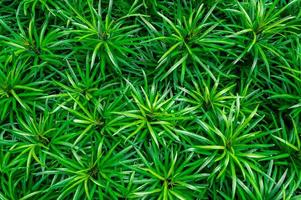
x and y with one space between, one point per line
150 99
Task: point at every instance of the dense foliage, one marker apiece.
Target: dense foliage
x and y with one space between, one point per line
150 99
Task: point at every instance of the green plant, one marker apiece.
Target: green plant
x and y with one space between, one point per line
289 141
17 88
205 95
109 39
90 176
228 144
193 35
276 185
169 174
264 27
150 99
153 114
30 42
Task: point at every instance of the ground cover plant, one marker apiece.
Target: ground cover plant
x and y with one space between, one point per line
150 99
